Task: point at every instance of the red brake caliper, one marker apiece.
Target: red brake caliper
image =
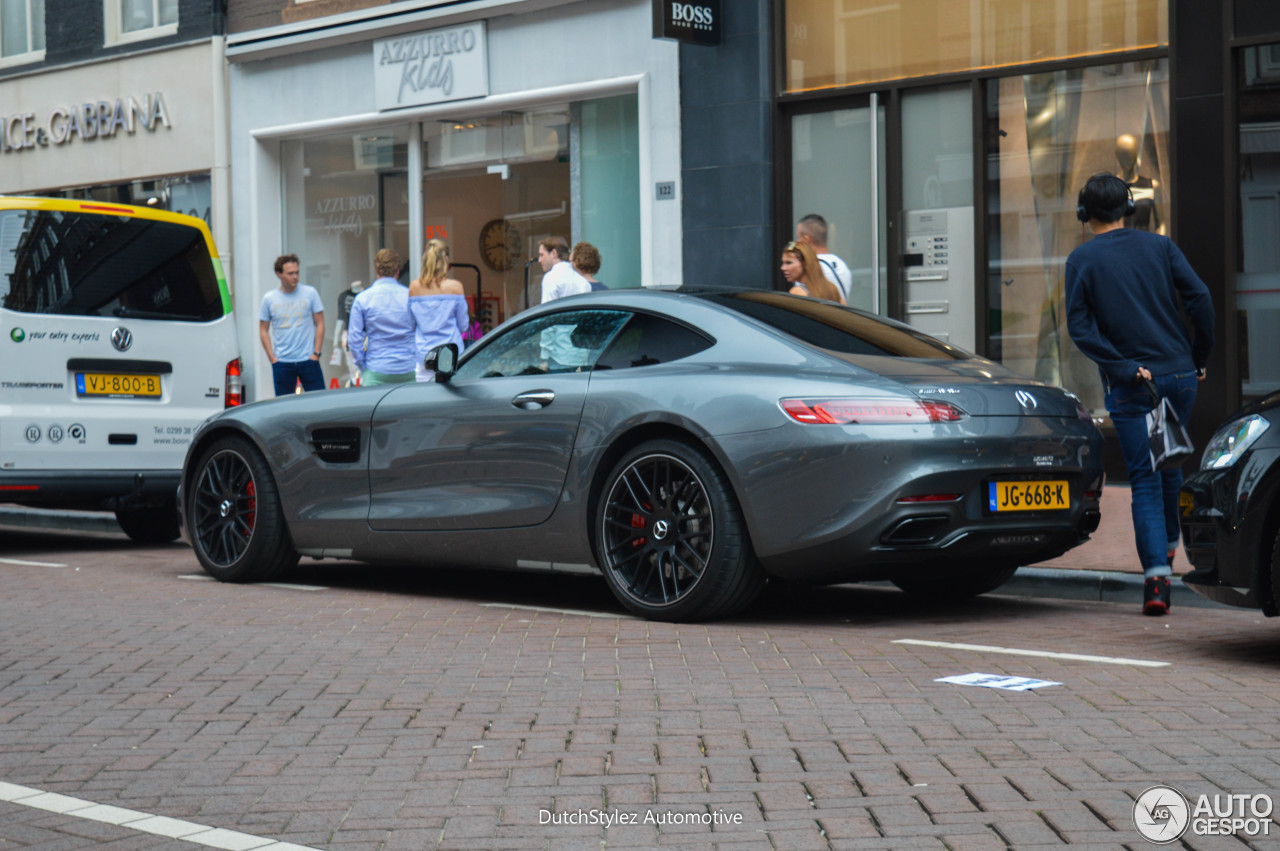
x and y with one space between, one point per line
637 522
252 513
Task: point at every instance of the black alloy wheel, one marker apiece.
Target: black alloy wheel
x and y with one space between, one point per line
235 521
671 539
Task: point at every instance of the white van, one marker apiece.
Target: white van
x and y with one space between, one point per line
118 340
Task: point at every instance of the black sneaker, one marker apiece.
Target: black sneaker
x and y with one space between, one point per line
1155 596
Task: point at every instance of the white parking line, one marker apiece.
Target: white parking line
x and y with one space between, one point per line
30 563
557 611
187 831
293 586
1044 654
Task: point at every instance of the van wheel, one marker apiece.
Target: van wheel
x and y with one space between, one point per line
235 520
152 524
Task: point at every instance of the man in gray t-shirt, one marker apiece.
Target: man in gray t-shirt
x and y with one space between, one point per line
291 327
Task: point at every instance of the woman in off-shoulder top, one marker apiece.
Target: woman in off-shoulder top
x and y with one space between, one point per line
438 306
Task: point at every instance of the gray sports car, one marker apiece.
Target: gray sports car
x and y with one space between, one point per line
686 445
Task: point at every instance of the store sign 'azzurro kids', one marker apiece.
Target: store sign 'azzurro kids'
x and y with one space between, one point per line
431 67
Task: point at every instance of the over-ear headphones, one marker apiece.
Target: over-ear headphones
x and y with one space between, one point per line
1082 211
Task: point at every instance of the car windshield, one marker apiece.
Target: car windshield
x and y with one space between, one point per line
83 264
835 328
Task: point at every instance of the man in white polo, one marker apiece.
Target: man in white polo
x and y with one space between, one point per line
813 230
559 280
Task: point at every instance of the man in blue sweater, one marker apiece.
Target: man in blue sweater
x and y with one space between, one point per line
1123 288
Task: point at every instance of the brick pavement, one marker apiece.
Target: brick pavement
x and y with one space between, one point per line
395 710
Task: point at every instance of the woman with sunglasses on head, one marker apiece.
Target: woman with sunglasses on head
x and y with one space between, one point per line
803 271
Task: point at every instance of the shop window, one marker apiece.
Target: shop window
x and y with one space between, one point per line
846 42
21 31
345 197
838 174
1045 135
1257 279
136 20
494 186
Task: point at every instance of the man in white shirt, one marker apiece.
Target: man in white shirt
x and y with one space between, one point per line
558 277
559 280
813 230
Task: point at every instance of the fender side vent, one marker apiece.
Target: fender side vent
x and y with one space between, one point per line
337 445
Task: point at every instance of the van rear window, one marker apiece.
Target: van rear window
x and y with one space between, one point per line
84 264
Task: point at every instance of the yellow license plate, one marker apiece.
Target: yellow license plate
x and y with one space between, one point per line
1051 495
116 384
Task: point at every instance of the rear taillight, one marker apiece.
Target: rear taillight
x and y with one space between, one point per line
869 411
234 395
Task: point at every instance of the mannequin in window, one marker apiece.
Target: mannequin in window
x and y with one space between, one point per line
345 298
1128 156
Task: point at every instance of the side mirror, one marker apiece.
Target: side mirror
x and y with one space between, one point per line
443 361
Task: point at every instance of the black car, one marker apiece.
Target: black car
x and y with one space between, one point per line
1230 512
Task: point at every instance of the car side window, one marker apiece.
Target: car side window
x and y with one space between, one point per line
648 340
570 341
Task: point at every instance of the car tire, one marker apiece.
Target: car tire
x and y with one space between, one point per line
153 524
670 536
959 582
234 517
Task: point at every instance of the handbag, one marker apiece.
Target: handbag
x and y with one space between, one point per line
1168 439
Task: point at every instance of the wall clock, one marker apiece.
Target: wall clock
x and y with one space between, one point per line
500 245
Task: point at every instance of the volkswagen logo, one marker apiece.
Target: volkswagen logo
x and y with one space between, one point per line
1026 400
122 339
661 529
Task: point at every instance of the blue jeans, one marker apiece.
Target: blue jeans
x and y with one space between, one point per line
1155 492
286 376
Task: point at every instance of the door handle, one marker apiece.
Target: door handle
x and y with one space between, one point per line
534 399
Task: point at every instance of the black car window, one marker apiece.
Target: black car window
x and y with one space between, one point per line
649 339
570 341
830 326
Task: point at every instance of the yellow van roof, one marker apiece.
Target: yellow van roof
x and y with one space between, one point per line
70 205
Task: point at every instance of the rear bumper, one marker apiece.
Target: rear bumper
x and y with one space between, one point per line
879 550
107 490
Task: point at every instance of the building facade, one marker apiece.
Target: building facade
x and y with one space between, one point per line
120 101
945 143
489 125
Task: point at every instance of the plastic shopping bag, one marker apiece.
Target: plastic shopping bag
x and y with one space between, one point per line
1169 441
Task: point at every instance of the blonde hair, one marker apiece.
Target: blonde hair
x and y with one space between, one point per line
435 262
813 279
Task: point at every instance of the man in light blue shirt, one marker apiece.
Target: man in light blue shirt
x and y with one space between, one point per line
291 328
381 334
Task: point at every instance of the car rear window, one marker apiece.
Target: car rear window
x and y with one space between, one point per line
839 329
84 264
